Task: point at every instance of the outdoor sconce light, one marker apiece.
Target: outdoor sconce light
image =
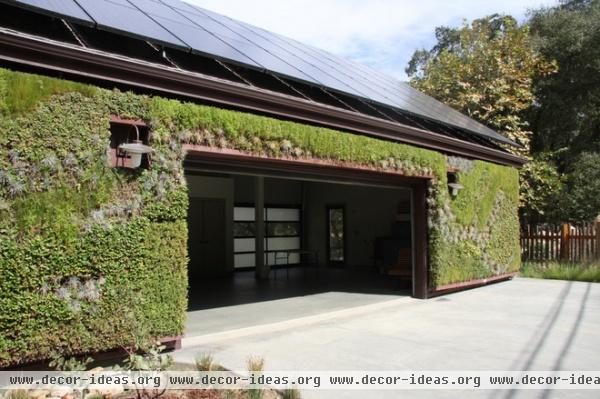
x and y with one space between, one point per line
453 185
455 188
135 149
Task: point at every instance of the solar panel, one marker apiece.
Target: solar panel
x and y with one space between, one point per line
320 72
406 97
266 59
193 35
60 7
379 87
359 85
123 17
316 75
182 25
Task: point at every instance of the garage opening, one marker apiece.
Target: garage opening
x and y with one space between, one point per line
320 234
308 225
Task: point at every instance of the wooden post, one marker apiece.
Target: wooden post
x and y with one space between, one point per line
597 237
420 242
262 270
564 241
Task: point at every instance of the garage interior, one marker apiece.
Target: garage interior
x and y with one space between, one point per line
320 235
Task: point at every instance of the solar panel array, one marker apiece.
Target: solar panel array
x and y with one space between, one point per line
177 24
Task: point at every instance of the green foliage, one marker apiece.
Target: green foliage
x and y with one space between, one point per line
205 362
20 93
562 271
94 258
60 363
132 276
199 124
581 197
477 230
291 393
567 114
464 254
82 269
53 211
17 394
484 69
256 365
540 189
173 206
475 202
148 358
504 233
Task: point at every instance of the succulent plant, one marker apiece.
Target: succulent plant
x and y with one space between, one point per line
222 142
70 160
63 293
286 145
14 156
74 306
15 187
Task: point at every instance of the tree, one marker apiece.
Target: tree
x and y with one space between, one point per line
484 69
566 116
541 189
582 200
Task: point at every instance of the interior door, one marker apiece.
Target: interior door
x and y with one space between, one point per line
206 237
336 235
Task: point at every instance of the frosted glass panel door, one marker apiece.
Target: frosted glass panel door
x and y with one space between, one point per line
282 232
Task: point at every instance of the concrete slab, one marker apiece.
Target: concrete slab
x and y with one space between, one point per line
224 319
240 301
524 324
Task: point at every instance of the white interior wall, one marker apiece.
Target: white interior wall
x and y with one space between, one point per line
222 188
277 191
369 213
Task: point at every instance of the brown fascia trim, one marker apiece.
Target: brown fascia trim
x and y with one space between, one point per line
453 287
33 51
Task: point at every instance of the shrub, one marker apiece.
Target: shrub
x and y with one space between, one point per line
589 272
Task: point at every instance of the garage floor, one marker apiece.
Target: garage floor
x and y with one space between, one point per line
524 324
239 301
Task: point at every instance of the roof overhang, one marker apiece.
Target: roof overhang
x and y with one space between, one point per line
82 63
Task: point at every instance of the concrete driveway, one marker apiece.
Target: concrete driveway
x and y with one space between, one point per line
523 324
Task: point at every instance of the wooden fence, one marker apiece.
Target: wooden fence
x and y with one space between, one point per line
565 243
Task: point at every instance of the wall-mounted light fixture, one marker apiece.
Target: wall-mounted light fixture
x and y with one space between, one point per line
455 188
453 185
135 149
128 143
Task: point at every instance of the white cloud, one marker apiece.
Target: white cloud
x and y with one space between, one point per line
379 33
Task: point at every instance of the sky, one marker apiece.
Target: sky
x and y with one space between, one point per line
380 33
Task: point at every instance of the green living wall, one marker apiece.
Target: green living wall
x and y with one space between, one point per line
93 257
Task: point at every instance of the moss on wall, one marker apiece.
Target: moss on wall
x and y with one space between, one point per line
476 234
92 256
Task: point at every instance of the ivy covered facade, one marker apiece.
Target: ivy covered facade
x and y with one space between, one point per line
93 256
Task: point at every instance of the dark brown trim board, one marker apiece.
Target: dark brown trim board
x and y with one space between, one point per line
448 288
420 243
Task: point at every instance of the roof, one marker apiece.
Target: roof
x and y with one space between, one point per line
177 25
